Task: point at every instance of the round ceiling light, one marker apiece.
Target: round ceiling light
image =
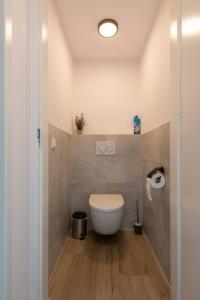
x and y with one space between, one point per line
108 28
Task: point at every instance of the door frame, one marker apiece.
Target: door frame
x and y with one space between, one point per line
39 145
35 12
175 150
2 154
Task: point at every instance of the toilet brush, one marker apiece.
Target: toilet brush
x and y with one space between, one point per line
137 225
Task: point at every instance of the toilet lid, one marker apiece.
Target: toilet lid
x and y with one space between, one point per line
106 202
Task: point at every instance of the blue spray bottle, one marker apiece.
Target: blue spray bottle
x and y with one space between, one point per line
137 124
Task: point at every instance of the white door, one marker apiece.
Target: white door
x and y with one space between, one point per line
23 230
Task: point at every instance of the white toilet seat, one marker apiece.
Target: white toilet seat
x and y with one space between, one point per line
106 212
106 202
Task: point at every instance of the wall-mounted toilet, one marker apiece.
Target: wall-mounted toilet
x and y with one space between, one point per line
106 212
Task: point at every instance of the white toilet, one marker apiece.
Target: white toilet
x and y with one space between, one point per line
106 212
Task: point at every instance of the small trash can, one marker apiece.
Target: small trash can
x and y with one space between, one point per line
79 225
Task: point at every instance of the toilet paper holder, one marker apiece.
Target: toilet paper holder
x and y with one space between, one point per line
156 170
155 179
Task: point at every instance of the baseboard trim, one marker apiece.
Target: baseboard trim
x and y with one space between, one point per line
59 257
157 262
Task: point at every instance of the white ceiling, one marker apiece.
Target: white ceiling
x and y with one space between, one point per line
80 19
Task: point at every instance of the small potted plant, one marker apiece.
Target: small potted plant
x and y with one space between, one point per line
80 123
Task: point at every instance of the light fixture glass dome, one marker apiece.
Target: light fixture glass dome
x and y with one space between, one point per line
108 28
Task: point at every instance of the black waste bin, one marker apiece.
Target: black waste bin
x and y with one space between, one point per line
79 225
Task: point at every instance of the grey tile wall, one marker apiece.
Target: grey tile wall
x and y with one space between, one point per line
59 193
75 172
156 214
121 173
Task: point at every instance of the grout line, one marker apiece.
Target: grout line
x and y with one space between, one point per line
156 261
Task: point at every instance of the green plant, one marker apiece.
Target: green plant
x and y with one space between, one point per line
80 122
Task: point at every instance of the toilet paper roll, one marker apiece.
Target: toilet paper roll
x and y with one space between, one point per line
148 187
157 181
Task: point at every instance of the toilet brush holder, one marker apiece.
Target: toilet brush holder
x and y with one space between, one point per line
138 228
137 225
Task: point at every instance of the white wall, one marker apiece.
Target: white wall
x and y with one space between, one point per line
60 74
155 72
108 95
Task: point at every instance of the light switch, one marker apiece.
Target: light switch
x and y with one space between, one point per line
53 143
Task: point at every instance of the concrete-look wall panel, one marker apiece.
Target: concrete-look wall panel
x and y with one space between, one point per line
156 214
106 174
59 192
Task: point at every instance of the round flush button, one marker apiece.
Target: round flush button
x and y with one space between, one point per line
102 148
110 149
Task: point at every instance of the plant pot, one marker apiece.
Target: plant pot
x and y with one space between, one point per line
79 131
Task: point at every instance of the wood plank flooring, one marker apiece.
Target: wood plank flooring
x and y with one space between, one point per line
107 268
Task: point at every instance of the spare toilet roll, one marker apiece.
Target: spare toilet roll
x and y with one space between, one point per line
157 181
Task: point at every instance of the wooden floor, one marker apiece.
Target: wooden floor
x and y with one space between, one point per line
107 268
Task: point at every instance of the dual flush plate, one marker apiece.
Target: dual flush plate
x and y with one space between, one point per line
105 148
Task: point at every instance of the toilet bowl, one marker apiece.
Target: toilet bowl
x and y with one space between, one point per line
106 212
